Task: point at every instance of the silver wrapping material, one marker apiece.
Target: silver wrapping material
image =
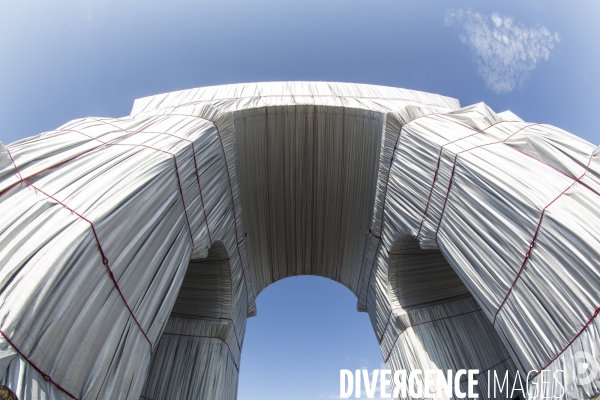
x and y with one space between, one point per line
509 205
194 360
107 292
199 352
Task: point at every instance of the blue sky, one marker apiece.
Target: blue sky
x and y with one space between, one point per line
61 60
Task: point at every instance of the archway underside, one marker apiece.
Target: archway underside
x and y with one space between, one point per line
101 218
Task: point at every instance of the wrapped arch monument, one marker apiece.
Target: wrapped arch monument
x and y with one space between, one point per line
132 249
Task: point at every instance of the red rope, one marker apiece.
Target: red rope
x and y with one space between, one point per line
435 174
108 144
533 239
238 241
570 342
197 179
454 167
532 243
543 211
384 204
8 188
46 377
527 255
104 258
432 186
423 323
382 219
487 369
578 180
385 327
104 144
160 133
176 168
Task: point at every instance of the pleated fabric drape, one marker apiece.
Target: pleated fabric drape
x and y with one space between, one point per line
132 249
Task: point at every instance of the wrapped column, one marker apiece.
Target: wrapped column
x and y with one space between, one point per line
198 355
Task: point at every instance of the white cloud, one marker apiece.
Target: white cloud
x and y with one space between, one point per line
506 52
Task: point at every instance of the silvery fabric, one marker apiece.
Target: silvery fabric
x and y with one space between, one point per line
132 249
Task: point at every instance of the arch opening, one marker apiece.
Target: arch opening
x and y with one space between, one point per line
438 323
198 354
421 277
206 290
307 329
308 177
280 173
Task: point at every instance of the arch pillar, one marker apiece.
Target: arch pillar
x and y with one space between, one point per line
194 359
94 269
101 217
437 325
199 352
499 198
